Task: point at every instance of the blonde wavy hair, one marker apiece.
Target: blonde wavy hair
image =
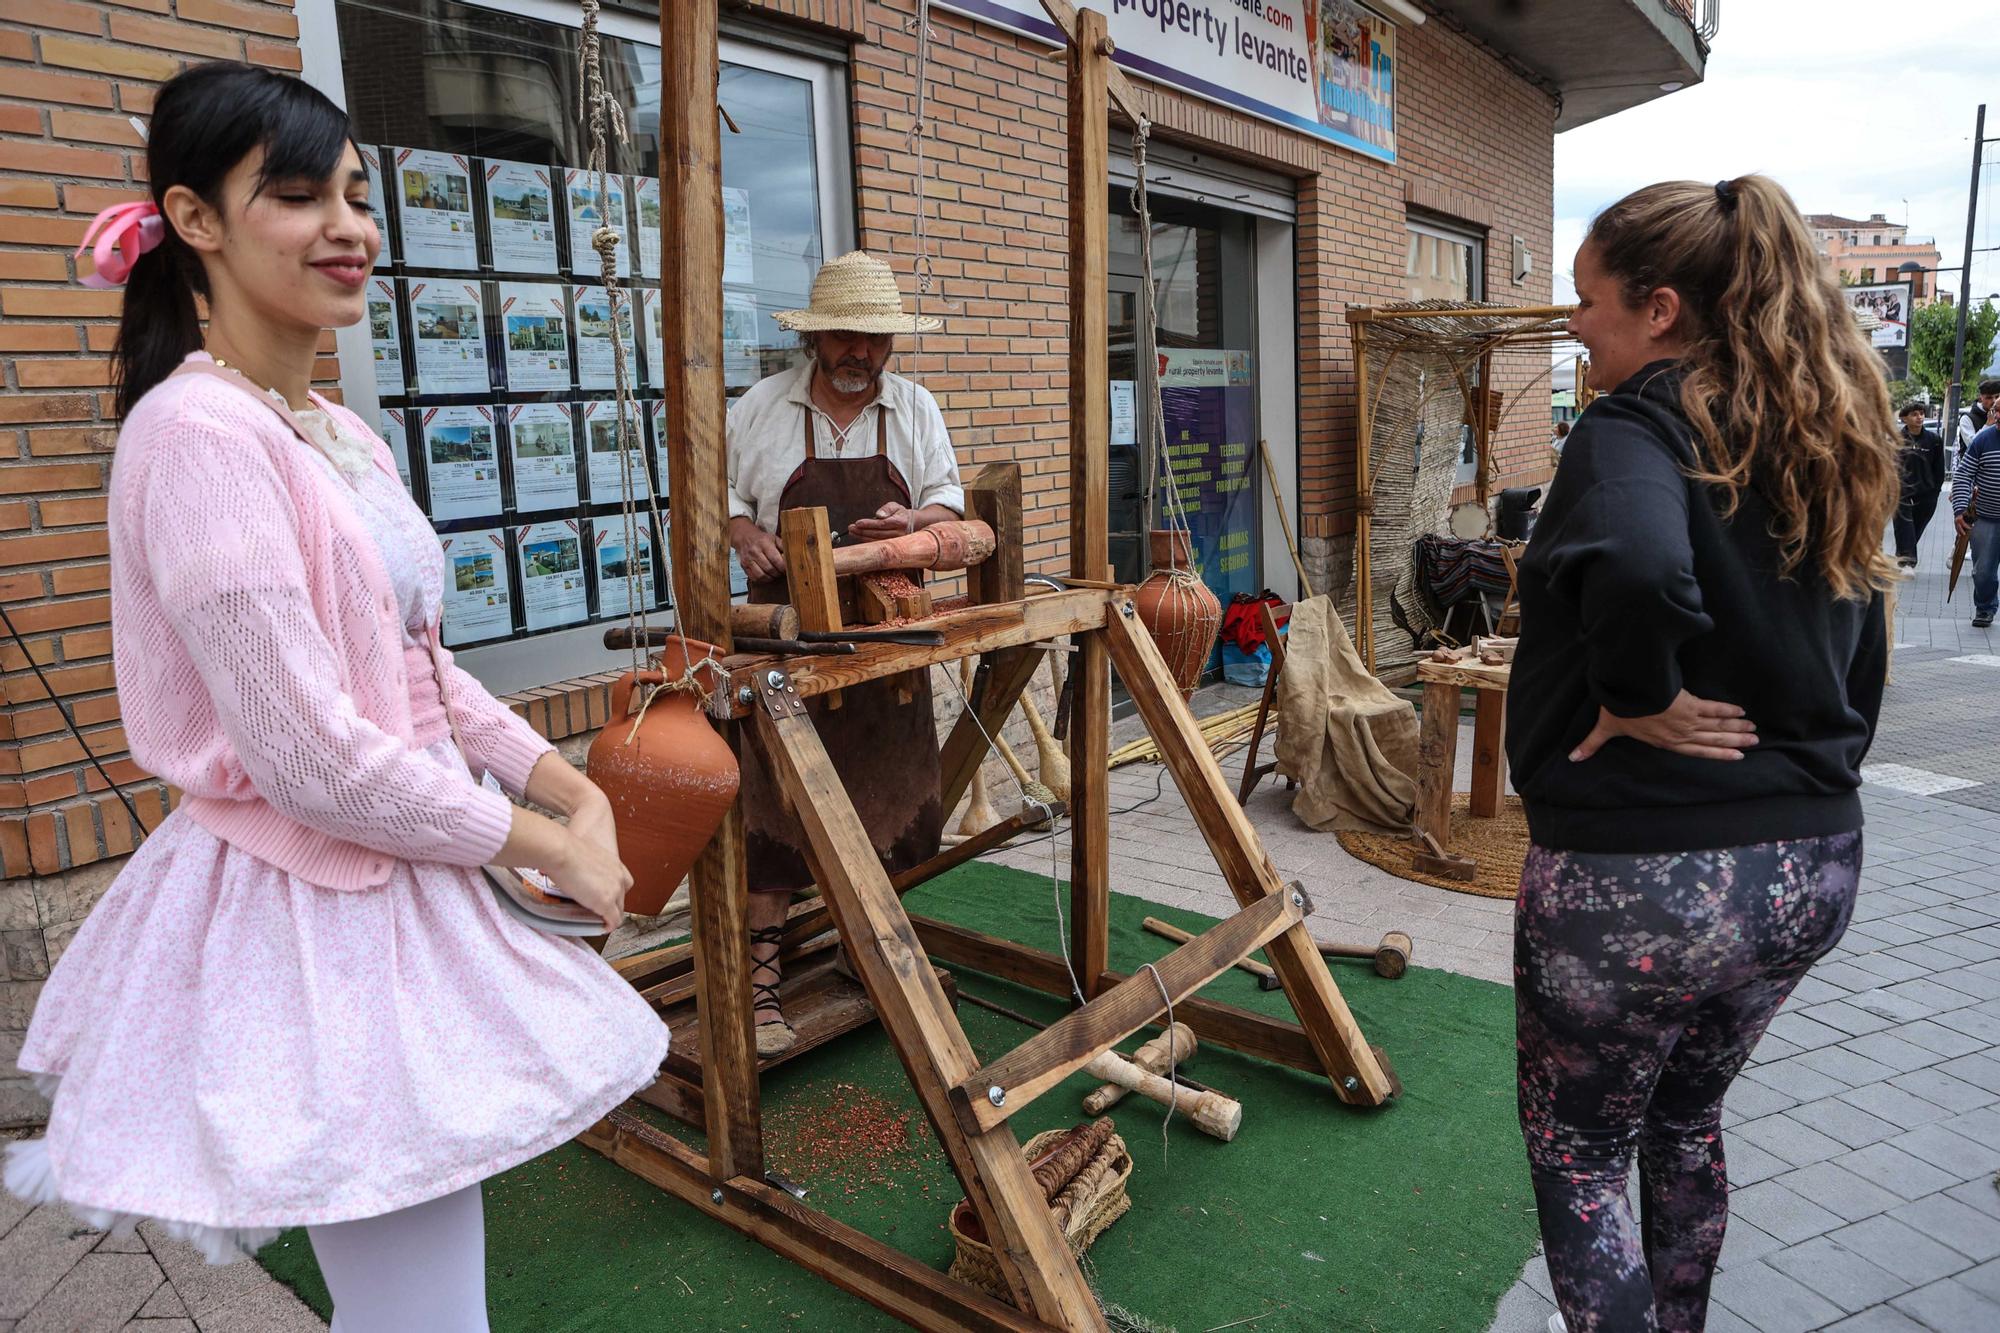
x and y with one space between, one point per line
1779 382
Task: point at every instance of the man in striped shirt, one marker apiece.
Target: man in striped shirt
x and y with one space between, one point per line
1975 503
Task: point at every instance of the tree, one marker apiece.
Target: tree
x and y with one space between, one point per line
1931 333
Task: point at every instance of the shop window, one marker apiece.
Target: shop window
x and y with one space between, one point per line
491 330
1446 264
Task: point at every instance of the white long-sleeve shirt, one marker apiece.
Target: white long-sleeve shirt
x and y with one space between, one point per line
766 444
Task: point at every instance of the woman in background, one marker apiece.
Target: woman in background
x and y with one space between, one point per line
1697 681
300 1003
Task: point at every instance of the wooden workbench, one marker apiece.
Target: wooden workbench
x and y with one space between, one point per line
1437 746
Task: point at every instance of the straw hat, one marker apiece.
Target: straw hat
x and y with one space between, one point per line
856 293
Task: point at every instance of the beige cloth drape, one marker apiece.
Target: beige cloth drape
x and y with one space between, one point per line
1349 742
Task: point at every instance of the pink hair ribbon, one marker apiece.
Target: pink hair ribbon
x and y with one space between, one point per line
117 237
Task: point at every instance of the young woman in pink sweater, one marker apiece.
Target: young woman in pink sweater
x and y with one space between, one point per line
300 1003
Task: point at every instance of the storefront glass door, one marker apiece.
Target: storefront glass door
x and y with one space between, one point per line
1206 346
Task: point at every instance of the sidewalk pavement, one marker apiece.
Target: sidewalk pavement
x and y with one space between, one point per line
1864 1139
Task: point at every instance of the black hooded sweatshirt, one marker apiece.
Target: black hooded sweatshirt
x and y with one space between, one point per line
1635 588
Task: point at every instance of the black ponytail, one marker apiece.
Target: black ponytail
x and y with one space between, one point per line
206 121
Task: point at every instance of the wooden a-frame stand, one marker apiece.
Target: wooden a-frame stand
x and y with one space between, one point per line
967 1102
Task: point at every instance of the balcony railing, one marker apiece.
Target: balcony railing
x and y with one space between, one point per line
1707 23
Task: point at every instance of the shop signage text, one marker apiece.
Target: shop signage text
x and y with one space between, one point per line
1326 67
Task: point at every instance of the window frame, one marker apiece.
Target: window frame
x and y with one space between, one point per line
1466 234
542 657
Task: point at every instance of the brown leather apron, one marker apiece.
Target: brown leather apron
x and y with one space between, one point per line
886 753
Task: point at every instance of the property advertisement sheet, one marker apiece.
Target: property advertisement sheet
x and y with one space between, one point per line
521 218
551 566
434 191
534 336
478 586
542 439
461 461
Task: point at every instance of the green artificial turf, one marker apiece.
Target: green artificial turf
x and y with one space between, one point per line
1318 1217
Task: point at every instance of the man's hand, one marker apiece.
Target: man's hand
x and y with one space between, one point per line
760 553
1702 728
891 520
1963 524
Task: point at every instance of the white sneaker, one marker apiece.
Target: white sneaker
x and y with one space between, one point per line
1556 1324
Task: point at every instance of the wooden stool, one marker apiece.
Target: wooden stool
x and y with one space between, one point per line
1437 746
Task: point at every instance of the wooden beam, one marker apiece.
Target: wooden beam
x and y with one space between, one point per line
1065 1046
691 318
1437 757
720 923
1489 754
1239 1029
1090 72
815 590
1357 1075
1364 501
913 1292
993 496
886 956
973 630
1370 314
1117 88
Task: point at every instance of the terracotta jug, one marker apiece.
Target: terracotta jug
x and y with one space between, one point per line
1178 608
670 780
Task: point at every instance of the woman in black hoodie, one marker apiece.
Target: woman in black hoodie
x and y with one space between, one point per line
1698 677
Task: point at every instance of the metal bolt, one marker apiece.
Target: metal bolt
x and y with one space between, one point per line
1298 899
997 1095
715 1196
746 696
1127 608
775 679
1350 1083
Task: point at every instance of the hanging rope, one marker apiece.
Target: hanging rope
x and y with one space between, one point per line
915 140
605 118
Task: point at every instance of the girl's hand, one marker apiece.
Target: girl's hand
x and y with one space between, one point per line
592 821
1702 728
592 875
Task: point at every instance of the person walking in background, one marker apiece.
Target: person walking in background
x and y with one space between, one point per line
1975 415
1556 444
1975 508
1923 478
301 1003
1697 681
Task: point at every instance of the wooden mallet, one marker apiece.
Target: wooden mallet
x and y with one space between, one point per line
1266 978
1391 956
1212 1113
1172 1048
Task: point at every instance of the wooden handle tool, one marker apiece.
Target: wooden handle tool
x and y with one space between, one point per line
1266 978
1391 957
1176 1046
1212 1113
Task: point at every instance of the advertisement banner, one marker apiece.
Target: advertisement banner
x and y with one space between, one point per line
1325 67
1208 402
1889 303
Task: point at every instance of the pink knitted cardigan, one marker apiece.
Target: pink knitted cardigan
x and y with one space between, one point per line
260 661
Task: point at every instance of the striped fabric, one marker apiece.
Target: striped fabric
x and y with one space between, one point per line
1978 465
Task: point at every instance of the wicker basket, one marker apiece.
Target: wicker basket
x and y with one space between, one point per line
1092 1201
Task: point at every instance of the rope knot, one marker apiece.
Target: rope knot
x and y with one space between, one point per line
604 240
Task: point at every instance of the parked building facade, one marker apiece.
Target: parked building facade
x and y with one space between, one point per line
1865 252
1420 167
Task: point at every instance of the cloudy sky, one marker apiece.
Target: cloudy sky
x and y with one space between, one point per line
1854 107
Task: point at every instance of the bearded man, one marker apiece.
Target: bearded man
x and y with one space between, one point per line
841 433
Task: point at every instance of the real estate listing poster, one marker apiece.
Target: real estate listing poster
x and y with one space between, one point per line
608 468
385 336
595 368
450 322
478 586
542 438
647 196
534 333
461 461
371 162
521 218
434 192
551 564
585 217
397 436
625 580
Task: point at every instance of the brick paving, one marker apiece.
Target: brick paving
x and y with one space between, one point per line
1864 1137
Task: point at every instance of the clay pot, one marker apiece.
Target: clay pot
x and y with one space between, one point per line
670 781
1178 608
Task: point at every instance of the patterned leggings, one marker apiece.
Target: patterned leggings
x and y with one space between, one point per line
1641 984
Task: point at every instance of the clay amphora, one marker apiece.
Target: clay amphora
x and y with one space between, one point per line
1178 608
670 781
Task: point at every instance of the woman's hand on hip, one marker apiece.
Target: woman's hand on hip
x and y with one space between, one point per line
1702 728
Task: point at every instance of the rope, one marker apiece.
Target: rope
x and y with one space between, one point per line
605 118
914 140
1173 1063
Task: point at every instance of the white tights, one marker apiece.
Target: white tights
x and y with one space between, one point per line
417 1268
